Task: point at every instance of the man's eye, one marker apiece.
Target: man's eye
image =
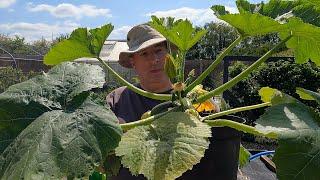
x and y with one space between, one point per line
160 50
143 54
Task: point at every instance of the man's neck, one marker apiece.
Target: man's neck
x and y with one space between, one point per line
157 88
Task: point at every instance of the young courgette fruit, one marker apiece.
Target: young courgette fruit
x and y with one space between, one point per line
162 107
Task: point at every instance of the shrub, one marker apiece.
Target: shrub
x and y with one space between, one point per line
284 75
10 76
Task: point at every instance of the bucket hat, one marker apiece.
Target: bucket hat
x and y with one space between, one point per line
139 38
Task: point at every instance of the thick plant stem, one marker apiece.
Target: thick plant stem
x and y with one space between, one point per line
183 62
146 121
214 64
240 127
164 97
242 75
235 110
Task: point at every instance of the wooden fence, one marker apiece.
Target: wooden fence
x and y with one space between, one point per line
35 63
25 63
219 75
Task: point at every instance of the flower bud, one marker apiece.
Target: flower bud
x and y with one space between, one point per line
178 87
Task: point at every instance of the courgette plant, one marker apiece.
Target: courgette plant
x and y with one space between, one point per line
51 127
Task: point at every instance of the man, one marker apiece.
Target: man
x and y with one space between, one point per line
146 55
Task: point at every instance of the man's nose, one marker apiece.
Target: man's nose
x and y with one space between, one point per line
156 58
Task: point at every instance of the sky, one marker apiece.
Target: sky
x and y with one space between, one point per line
48 19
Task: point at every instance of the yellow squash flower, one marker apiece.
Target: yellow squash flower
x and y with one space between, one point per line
206 106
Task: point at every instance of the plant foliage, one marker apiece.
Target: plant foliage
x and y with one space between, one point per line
55 130
181 33
284 75
52 125
81 43
10 76
62 144
302 146
298 130
165 149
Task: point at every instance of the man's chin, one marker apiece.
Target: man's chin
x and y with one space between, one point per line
157 80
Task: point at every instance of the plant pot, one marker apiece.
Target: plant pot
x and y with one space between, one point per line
221 159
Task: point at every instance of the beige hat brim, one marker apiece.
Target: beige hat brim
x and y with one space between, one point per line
124 56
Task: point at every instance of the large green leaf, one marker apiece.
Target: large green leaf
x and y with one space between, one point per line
288 117
308 95
62 144
275 96
307 10
276 8
267 94
80 44
244 156
273 8
98 37
298 155
181 33
167 148
245 6
297 126
219 10
305 40
249 24
98 176
76 46
60 89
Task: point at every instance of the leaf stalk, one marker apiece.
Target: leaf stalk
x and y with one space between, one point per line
240 127
235 110
146 121
243 74
214 64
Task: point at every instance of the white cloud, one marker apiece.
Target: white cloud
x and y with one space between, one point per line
35 31
66 10
6 3
197 16
120 33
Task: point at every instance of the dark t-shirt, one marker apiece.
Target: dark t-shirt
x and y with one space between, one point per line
128 105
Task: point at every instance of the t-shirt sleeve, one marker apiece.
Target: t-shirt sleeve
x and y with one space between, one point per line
127 105
110 100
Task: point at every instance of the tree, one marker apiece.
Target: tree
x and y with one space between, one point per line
221 35
41 46
218 37
14 45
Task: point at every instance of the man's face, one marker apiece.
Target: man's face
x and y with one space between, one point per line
149 64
